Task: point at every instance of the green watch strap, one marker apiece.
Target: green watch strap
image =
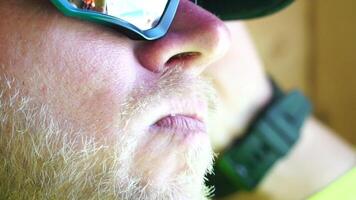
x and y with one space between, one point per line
269 138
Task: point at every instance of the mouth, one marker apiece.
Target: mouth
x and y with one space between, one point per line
180 123
184 118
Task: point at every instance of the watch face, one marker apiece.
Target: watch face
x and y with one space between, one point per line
243 9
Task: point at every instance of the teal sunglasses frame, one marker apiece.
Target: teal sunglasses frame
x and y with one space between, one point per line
224 9
128 29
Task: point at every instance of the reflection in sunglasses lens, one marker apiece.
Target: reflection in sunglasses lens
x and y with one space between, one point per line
144 14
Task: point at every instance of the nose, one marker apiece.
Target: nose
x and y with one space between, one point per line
195 39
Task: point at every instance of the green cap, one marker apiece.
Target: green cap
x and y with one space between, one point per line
243 9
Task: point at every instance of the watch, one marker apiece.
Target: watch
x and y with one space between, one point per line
270 136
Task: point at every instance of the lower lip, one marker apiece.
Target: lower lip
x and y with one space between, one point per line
181 124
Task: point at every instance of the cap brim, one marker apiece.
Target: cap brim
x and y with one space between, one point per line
243 9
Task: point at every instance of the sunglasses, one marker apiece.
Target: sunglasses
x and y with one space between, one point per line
151 19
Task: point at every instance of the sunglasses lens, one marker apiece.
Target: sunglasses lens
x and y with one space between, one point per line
143 14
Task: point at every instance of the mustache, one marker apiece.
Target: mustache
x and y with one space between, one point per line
173 84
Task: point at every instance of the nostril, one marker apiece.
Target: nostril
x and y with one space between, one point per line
184 59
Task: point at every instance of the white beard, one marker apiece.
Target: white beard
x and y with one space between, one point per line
41 158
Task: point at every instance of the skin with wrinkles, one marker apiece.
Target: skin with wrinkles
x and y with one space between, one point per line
78 100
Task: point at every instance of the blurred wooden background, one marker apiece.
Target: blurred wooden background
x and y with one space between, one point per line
312 46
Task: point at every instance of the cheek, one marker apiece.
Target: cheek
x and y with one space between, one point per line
89 94
96 111
86 84
83 73
85 102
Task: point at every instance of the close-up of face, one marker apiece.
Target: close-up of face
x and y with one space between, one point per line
87 112
172 100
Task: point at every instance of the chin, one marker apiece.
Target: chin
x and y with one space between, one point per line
170 165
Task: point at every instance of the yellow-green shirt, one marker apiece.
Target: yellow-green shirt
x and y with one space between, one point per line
342 189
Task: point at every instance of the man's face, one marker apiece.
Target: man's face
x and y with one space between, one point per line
88 113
